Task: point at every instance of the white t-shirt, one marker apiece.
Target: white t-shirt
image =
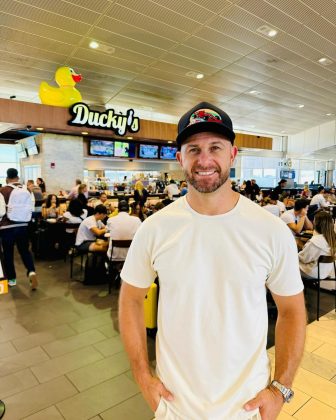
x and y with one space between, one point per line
84 232
290 217
74 219
122 226
212 314
272 208
171 189
281 206
313 249
319 200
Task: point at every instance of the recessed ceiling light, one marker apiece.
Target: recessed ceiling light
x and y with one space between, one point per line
85 133
94 45
195 75
300 105
129 138
170 141
329 114
267 30
254 92
325 61
39 128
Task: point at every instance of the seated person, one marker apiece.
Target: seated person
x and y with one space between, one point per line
172 190
91 228
271 204
51 209
287 200
319 198
103 200
323 242
306 193
296 219
122 226
84 201
137 211
74 214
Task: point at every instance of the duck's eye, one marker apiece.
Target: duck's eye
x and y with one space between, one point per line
72 70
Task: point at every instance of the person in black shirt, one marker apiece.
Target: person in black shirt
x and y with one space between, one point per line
281 186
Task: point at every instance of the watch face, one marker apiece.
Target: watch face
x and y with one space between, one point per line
289 395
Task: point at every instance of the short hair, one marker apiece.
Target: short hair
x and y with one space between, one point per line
301 204
320 188
102 193
274 196
159 206
78 181
282 181
100 209
75 208
123 206
12 173
30 181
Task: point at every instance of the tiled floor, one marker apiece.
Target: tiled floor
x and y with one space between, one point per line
61 356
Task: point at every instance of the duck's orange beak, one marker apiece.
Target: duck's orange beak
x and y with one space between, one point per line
76 77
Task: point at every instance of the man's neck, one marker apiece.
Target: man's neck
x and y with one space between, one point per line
218 202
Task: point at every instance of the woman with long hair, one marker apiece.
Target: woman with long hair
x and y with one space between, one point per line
323 242
41 184
137 211
140 193
51 209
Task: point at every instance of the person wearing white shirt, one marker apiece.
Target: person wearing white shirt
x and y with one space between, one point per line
91 228
296 219
171 189
271 205
212 312
319 199
323 242
74 191
122 226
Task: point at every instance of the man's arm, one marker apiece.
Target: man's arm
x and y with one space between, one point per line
98 232
308 224
290 334
133 334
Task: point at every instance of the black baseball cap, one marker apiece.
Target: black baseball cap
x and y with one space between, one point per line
204 117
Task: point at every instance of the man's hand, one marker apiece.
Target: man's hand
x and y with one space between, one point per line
152 390
269 401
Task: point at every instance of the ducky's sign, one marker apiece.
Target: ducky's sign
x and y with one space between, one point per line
108 120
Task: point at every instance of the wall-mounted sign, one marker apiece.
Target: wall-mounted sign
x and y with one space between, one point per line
109 120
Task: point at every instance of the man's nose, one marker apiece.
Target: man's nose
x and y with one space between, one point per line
204 158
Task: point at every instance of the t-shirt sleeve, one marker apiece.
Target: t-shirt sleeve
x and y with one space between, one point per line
138 268
284 278
90 223
287 218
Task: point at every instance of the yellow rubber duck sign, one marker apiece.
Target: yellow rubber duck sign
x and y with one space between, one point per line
66 94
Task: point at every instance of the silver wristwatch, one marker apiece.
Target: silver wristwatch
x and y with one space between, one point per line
287 393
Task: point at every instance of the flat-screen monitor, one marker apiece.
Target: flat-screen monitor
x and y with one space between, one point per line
101 148
124 149
148 151
32 150
168 152
30 142
22 153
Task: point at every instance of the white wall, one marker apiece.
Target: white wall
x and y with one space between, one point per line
313 139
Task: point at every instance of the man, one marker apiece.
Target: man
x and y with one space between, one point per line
74 191
271 205
281 185
212 316
122 226
296 219
171 189
255 187
319 199
103 201
37 198
13 228
90 229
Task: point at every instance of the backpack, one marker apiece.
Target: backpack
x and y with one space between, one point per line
20 205
2 206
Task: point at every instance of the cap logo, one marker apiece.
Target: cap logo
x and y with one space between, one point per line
204 115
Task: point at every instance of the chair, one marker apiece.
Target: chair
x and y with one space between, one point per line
311 211
323 259
116 265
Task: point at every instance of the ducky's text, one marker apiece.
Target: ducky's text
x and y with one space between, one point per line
109 120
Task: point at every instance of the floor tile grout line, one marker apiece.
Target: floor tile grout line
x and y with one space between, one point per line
301 406
100 383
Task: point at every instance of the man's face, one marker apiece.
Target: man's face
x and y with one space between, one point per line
206 159
103 198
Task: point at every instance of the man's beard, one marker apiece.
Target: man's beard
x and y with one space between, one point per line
203 186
